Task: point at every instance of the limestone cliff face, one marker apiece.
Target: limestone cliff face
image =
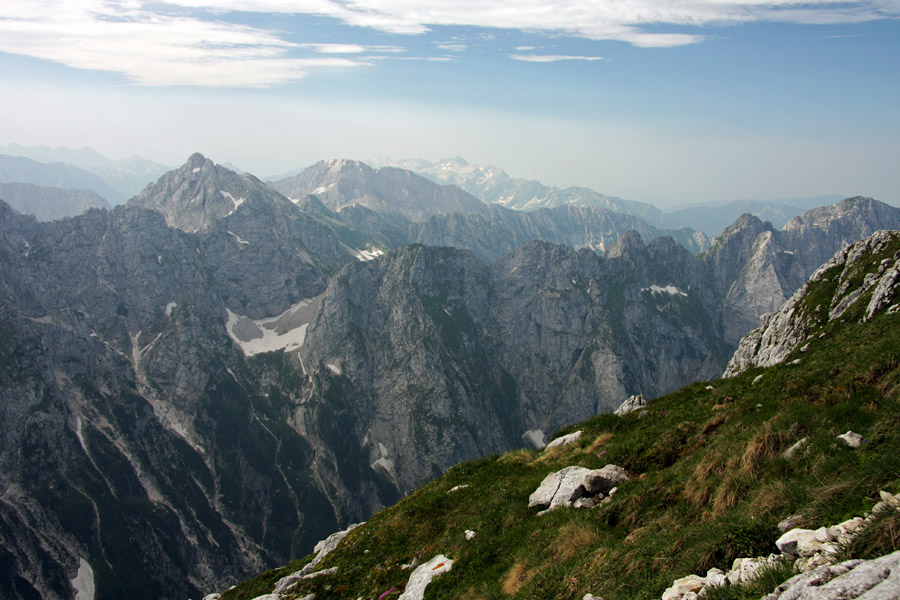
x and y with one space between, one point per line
200 192
448 358
180 408
859 281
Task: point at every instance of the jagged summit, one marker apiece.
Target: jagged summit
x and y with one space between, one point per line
629 244
340 182
200 192
859 281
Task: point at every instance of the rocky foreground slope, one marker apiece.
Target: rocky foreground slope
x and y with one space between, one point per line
745 479
184 408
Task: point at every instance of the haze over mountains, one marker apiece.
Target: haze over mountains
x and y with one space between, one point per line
203 382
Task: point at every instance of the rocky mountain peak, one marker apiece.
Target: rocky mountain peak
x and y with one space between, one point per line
629 244
858 282
198 193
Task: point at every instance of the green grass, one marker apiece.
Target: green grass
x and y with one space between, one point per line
708 484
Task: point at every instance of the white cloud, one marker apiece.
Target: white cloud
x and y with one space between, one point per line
153 49
547 58
595 20
351 48
451 46
149 44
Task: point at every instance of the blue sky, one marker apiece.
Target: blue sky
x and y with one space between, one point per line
662 101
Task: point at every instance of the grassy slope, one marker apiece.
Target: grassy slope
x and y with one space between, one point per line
708 485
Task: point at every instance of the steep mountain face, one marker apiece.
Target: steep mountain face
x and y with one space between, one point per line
493 186
712 220
182 408
48 203
859 281
127 176
447 357
17 169
340 183
758 268
200 192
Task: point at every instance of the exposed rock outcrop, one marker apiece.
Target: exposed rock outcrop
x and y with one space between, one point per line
841 279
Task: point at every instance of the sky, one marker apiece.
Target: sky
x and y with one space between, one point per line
662 101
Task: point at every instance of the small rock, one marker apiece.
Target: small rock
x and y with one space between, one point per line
422 576
685 585
559 488
604 480
710 388
854 440
564 440
458 487
583 503
796 361
715 578
591 597
804 347
632 404
799 542
889 499
792 521
744 569
756 379
469 534
790 452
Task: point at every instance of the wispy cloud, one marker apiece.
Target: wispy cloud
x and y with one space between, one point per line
548 58
351 48
150 48
451 46
187 42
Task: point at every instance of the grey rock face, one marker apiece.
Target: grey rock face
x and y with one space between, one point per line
199 193
850 278
340 183
877 579
135 426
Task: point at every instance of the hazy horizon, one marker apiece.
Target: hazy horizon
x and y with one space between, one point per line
665 104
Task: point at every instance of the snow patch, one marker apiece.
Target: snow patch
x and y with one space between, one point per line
80 435
323 188
196 170
238 239
84 581
334 368
235 201
365 255
384 462
170 307
286 332
669 289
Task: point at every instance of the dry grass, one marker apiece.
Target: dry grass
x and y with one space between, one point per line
699 488
516 457
770 500
728 495
572 541
517 578
762 449
601 439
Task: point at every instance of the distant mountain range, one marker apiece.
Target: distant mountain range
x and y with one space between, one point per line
127 176
49 203
201 383
494 186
